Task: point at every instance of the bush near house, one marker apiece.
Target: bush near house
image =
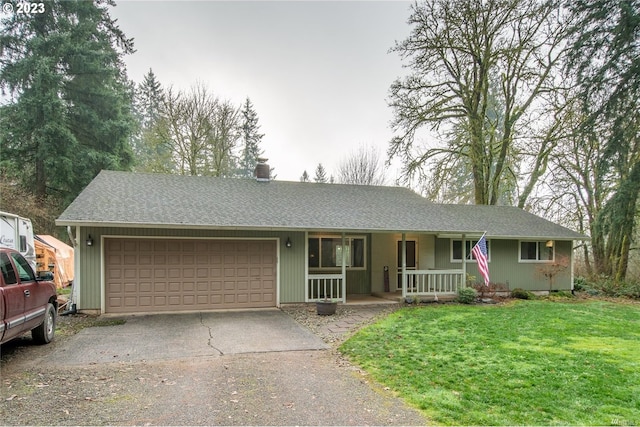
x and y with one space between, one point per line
608 287
520 293
491 290
467 295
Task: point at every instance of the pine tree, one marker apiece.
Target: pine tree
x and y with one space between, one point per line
68 113
321 174
149 98
609 31
150 154
251 138
304 177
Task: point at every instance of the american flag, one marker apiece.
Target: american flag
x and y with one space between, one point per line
479 251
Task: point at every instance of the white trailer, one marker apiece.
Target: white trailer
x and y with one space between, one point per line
17 233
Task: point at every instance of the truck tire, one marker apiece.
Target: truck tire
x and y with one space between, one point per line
43 334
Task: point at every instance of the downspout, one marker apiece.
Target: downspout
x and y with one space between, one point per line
74 243
72 307
344 271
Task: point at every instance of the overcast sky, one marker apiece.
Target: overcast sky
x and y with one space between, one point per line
318 73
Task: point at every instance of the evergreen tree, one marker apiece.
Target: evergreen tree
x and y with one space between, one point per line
304 177
321 174
149 98
606 59
251 138
68 113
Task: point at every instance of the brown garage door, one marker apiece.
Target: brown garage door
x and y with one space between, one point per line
172 275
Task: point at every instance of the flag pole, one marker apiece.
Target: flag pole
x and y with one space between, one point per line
471 252
482 258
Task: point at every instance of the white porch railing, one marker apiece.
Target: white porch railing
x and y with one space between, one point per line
429 282
325 286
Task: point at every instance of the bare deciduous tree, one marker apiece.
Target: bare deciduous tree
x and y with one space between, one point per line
364 166
480 74
198 132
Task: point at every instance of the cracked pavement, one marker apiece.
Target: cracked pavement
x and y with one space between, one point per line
176 336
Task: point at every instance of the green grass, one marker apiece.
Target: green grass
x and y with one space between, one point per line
523 363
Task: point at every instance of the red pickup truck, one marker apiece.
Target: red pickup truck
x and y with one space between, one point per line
27 303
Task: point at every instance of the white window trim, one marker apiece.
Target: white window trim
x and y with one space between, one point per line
538 260
472 260
346 239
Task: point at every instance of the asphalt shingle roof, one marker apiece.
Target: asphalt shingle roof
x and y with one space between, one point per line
172 201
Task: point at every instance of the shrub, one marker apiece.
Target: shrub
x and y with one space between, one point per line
624 289
467 295
490 290
561 294
580 284
520 293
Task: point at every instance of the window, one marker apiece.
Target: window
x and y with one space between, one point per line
8 273
456 250
24 269
536 251
326 252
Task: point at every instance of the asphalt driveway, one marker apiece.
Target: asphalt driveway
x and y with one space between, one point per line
213 368
186 335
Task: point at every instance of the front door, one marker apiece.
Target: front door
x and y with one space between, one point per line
412 260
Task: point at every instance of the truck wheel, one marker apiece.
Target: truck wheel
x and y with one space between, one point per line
43 334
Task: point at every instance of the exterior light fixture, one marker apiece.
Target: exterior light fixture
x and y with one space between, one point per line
89 240
549 243
288 243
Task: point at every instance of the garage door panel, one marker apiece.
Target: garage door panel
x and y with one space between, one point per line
131 302
157 275
129 246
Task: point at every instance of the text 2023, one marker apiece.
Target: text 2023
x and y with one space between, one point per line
29 8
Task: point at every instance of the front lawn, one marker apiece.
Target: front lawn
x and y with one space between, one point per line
526 362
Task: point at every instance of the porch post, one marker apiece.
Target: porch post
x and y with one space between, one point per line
306 266
344 271
404 265
464 261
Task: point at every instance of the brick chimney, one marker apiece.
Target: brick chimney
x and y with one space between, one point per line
262 171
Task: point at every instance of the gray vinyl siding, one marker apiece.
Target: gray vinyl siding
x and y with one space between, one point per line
505 268
291 262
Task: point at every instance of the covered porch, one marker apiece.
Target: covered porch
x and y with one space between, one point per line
396 266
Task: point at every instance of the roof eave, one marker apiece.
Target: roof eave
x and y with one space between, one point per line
182 226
